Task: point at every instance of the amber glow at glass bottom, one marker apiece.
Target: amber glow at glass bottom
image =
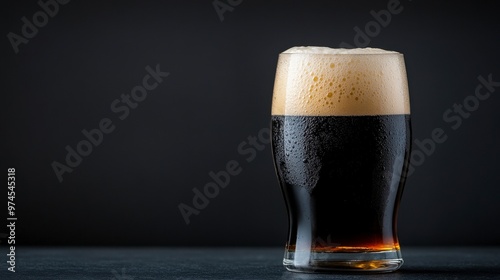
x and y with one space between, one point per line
372 259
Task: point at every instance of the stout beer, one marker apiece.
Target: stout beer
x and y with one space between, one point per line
341 139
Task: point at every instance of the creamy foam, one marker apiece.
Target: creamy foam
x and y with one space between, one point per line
319 81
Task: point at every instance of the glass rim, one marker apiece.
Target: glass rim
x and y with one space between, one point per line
344 54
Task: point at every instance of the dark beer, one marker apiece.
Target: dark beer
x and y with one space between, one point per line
342 179
341 138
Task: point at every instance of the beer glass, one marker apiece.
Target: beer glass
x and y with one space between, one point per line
341 137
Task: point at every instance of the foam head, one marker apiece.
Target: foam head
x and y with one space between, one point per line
320 81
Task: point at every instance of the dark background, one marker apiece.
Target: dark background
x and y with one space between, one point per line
127 191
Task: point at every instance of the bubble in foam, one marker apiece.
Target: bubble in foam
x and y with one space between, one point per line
362 81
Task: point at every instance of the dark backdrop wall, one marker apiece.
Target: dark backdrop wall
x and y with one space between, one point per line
71 74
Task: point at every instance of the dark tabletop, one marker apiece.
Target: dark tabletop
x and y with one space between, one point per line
232 263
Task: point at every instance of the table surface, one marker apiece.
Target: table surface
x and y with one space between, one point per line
135 263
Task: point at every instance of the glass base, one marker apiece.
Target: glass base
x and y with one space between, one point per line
362 262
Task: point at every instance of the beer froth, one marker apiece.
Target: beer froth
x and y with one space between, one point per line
320 81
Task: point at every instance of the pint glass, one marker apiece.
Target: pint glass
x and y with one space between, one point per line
341 137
